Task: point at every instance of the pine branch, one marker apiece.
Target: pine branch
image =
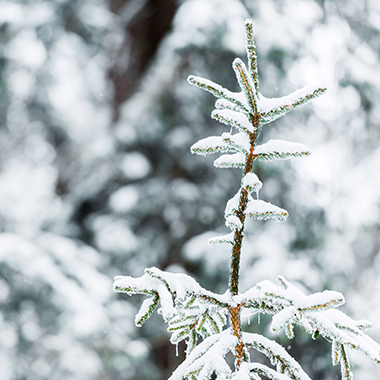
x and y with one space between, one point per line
279 149
276 354
217 91
231 118
207 358
272 109
251 55
245 84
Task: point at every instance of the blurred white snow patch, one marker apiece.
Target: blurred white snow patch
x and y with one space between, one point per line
197 20
374 17
330 39
38 13
265 256
77 360
272 31
122 365
71 95
328 107
11 12
135 166
22 83
95 15
26 49
4 290
358 203
18 118
26 15
327 163
112 235
27 196
175 268
171 213
179 137
124 199
138 349
30 330
305 11
215 256
350 98
355 65
6 370
38 150
8 336
41 368
366 54
123 310
303 71
338 255
185 190
74 258
102 146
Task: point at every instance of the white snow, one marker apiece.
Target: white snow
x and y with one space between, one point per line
233 222
251 182
210 145
232 118
223 92
269 104
208 356
236 160
272 349
135 165
239 140
232 205
245 83
281 147
147 303
224 239
264 210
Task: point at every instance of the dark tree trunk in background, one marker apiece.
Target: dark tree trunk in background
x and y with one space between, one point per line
143 34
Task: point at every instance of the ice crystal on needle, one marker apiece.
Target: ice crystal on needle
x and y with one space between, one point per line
192 311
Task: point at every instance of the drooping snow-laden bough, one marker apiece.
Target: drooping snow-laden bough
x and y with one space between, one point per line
192 311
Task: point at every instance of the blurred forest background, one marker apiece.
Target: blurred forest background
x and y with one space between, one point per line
97 180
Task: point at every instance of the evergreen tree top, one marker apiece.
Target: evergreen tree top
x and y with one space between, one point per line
192 311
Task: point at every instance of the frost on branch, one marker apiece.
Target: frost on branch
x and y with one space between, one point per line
237 160
256 209
251 182
225 239
261 210
318 315
233 118
279 149
189 309
192 311
272 109
208 358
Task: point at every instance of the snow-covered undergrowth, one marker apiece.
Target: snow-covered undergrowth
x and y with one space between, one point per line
193 312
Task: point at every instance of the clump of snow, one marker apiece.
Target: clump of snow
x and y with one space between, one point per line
135 166
251 182
124 199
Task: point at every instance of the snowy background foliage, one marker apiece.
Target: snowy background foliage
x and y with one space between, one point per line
97 178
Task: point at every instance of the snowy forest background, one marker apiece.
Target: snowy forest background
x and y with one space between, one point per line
97 179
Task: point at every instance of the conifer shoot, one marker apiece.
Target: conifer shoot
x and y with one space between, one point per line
192 311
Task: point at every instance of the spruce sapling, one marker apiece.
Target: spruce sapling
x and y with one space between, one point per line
192 311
